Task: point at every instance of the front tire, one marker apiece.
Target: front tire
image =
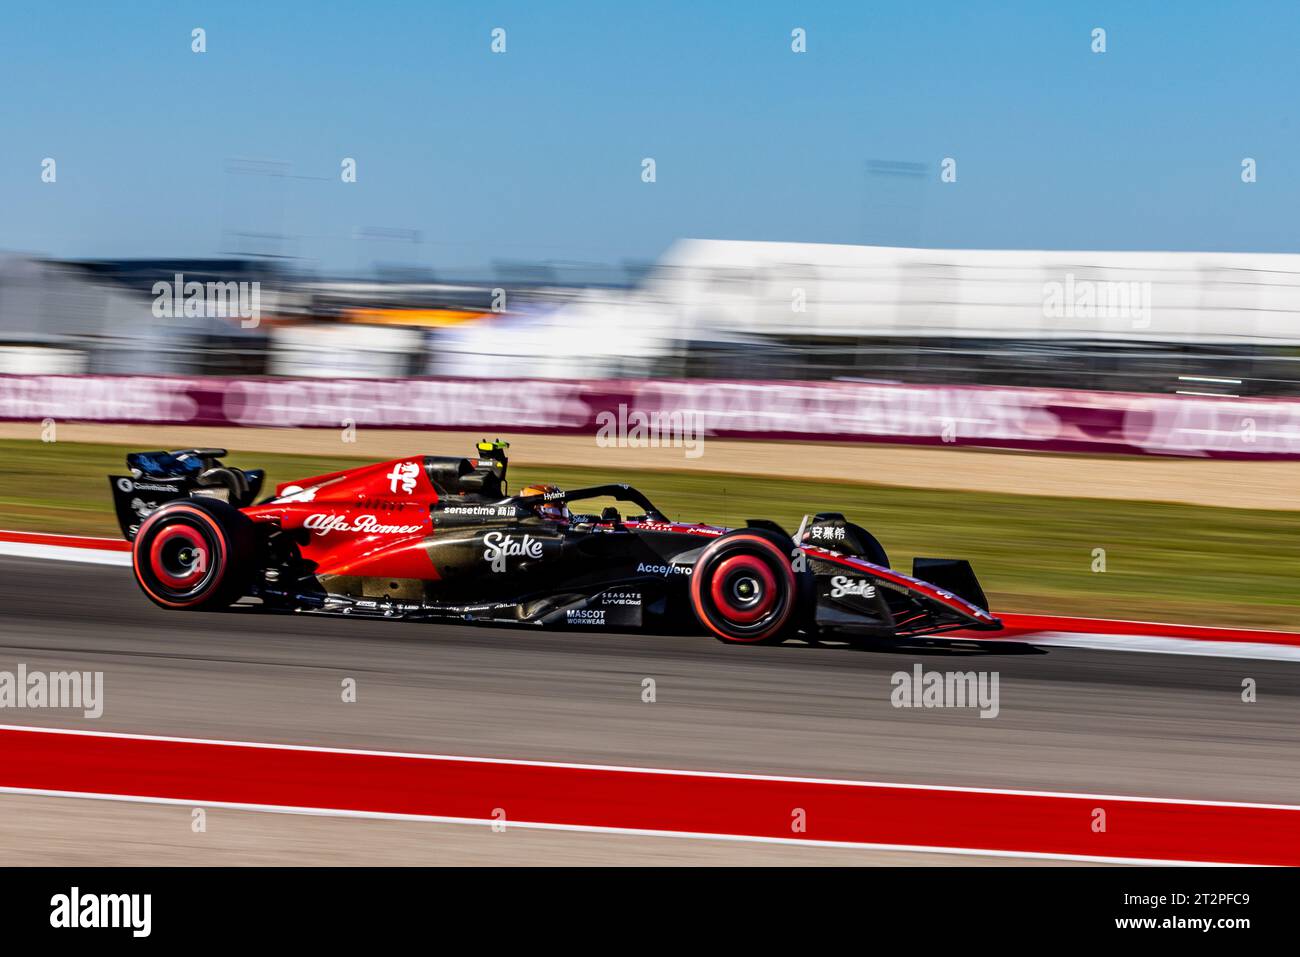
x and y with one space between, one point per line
194 554
743 589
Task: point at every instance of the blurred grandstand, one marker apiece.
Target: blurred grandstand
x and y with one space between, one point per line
1199 323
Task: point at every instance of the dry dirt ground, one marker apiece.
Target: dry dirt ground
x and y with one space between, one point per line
1234 484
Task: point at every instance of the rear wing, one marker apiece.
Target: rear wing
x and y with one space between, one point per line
155 478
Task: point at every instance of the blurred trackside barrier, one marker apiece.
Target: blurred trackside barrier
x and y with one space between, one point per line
1020 418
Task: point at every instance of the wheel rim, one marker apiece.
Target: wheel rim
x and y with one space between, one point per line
179 557
744 589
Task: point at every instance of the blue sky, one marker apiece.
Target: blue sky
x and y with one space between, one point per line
536 154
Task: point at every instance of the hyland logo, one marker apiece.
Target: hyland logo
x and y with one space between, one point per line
1098 299
403 474
951 689
54 689
74 909
213 300
497 547
650 430
842 585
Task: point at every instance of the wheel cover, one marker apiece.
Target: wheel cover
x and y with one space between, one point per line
744 589
179 556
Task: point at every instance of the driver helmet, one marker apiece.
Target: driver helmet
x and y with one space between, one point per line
551 511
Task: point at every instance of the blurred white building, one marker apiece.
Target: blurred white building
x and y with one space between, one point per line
65 318
604 333
854 291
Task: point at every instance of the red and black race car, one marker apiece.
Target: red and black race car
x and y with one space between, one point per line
439 538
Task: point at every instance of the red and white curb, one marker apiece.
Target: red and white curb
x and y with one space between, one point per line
66 548
1102 634
645 801
1044 630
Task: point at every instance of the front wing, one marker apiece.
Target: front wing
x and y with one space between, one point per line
857 596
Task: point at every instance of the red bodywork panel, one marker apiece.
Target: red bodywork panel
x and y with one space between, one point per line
370 521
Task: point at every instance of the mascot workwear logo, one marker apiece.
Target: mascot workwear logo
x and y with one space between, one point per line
323 524
75 909
497 547
403 475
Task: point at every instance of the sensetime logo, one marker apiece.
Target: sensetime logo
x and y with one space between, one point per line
946 689
76 909
214 300
53 689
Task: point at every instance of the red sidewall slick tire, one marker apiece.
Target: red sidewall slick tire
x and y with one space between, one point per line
193 556
743 589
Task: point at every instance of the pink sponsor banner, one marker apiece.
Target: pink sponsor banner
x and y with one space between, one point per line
1052 420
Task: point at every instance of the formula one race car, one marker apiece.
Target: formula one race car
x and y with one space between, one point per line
438 538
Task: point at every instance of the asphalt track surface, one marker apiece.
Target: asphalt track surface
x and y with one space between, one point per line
1070 720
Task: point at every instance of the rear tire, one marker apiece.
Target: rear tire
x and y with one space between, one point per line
743 589
194 554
